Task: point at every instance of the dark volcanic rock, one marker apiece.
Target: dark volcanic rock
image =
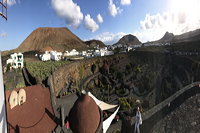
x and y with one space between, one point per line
128 40
167 37
185 119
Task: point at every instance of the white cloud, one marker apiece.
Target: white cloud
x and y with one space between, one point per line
99 18
90 24
109 38
113 10
125 2
69 11
3 34
10 2
153 27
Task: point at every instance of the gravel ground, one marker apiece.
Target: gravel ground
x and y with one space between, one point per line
184 119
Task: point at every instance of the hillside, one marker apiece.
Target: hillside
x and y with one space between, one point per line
167 37
190 36
59 39
93 43
128 40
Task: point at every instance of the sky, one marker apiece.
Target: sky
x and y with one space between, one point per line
105 20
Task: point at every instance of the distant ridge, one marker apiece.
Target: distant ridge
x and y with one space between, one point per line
128 40
93 43
185 37
188 36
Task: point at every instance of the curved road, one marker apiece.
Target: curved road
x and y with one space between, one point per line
146 115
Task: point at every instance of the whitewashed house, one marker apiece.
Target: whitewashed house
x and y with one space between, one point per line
108 53
83 53
52 55
56 56
103 52
16 60
46 56
72 53
96 47
129 48
89 54
97 52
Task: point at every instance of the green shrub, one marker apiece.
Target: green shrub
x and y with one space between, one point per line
124 104
138 69
42 70
8 67
20 85
93 68
128 67
116 131
81 71
119 75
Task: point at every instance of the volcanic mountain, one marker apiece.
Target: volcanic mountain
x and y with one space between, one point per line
128 40
94 43
59 39
167 37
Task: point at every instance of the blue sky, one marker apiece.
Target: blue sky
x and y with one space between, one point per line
147 19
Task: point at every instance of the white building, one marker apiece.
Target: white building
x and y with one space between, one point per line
83 53
97 53
46 56
108 53
103 52
16 60
129 48
52 55
56 55
72 53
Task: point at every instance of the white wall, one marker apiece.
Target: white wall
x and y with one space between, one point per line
3 122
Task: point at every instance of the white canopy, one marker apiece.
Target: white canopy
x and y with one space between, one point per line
102 105
107 122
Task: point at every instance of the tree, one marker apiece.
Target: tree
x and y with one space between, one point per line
93 68
8 67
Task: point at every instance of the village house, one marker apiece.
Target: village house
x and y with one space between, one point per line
129 48
46 56
105 51
16 60
83 53
52 55
56 56
73 52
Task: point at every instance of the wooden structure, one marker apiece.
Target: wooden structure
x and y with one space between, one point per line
13 100
3 8
21 96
